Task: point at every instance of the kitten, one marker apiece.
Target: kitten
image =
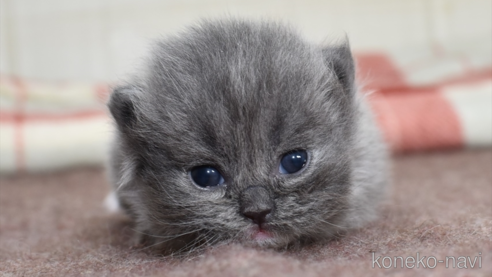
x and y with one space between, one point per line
242 131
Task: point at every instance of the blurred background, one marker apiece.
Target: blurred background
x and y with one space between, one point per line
426 63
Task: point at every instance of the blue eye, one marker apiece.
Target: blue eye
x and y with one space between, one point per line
293 162
206 176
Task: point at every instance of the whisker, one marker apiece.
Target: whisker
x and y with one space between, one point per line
164 237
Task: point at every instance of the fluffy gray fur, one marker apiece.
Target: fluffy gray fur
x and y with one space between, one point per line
238 95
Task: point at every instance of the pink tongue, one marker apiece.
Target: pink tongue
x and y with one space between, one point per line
262 235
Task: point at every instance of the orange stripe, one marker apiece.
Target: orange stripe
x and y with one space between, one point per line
102 92
377 71
19 145
471 77
55 83
11 116
418 122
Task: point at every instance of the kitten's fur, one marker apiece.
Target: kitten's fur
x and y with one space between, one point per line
238 95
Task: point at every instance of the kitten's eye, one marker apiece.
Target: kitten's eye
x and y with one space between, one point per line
293 161
206 176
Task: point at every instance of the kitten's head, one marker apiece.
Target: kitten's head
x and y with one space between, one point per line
237 131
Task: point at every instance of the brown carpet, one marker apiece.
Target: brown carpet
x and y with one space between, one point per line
440 205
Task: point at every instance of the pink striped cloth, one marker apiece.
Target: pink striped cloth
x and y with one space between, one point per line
440 109
48 126
436 100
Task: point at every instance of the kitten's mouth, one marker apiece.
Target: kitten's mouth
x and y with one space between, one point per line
262 235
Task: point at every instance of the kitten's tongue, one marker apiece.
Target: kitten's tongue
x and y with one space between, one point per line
262 235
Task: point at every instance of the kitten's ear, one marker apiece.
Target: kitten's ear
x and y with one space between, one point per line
339 59
122 105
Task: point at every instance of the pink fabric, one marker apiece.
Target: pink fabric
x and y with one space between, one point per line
413 116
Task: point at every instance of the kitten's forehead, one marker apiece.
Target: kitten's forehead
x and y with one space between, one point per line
239 88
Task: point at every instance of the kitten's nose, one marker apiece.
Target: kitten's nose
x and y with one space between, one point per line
256 204
258 217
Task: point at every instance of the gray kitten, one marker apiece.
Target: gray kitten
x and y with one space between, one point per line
242 131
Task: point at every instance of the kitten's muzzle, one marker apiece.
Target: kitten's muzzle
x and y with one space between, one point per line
256 204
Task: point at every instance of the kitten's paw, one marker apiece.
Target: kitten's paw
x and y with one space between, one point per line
111 203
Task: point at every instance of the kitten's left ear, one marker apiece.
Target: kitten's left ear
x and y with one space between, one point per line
339 59
121 104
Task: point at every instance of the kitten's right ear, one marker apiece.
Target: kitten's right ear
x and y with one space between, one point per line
122 106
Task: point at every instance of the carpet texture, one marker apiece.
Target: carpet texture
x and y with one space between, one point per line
439 205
